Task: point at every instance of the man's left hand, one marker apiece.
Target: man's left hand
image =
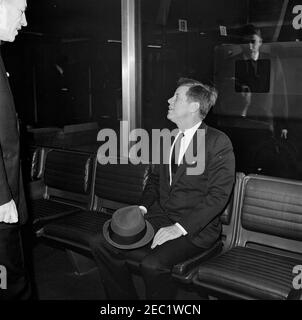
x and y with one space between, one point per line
165 234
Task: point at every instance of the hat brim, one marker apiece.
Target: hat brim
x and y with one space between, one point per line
145 239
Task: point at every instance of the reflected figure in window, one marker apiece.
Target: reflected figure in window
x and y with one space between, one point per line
259 78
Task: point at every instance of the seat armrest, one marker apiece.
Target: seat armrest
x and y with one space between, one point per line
183 268
36 189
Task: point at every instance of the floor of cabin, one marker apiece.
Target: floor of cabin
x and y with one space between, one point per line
54 278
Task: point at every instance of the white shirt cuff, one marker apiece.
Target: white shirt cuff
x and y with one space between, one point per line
184 232
143 209
8 212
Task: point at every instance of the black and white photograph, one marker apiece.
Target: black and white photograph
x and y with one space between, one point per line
150 155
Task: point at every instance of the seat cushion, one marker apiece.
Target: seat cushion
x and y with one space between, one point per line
79 229
45 210
248 273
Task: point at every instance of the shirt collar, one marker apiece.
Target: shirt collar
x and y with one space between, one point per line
256 56
193 129
250 58
189 133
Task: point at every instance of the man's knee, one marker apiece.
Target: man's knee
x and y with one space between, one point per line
153 263
97 243
99 247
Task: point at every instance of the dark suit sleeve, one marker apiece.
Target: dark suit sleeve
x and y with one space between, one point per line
221 176
151 190
5 194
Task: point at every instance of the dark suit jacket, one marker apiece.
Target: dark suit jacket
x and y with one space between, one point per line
269 109
195 201
11 186
274 104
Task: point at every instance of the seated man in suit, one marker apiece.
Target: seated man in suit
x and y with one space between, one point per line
184 209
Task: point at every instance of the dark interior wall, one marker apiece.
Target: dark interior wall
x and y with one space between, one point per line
75 33
181 54
62 68
75 18
65 67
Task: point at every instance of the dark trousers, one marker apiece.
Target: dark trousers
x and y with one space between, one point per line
12 258
155 265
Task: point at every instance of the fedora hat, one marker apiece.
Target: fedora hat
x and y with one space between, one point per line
128 229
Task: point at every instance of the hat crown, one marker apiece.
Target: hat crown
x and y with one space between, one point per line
127 221
128 229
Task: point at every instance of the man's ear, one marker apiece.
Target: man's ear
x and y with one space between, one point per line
194 106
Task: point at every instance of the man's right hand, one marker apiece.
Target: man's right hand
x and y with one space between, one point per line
8 212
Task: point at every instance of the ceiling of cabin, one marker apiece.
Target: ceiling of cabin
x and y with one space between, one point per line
102 17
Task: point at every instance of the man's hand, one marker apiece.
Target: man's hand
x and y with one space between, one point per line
8 212
143 210
284 133
165 234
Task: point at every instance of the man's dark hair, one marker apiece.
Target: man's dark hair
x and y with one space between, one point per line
205 95
250 30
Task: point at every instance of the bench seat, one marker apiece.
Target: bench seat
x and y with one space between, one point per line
66 184
77 229
268 244
44 210
248 273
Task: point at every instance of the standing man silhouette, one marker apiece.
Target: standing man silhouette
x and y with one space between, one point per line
12 201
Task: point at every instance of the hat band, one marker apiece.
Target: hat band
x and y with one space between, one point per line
124 240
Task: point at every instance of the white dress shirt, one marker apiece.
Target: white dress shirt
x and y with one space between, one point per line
185 141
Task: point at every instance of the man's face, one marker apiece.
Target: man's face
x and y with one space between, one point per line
179 106
12 18
254 44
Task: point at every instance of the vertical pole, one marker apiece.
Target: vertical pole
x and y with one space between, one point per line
131 63
280 21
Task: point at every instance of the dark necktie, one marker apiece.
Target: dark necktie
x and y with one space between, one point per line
175 154
253 68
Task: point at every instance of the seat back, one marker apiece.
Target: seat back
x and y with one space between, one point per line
68 176
229 217
118 185
270 215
